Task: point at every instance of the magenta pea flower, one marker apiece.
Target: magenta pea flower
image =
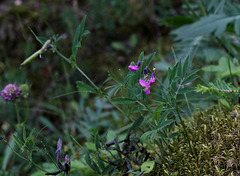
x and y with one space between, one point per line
11 92
134 67
146 82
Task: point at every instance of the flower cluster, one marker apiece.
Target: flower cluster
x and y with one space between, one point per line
11 92
146 82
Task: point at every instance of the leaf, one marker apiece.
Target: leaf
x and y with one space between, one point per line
173 135
91 163
123 100
100 163
141 56
97 141
179 69
176 21
85 88
18 141
190 79
186 90
237 26
136 124
192 72
185 66
147 166
162 65
108 169
78 35
150 58
145 135
118 46
165 123
222 68
213 23
73 60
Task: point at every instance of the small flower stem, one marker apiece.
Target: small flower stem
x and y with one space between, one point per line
184 129
66 59
94 85
17 112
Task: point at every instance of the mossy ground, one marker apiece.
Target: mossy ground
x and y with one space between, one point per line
215 139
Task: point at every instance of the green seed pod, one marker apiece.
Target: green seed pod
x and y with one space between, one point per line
37 53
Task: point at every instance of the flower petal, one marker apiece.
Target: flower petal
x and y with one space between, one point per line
152 80
133 68
147 90
143 83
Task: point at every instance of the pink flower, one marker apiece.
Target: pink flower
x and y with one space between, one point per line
11 92
146 82
134 67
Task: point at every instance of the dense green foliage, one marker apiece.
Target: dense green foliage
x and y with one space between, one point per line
104 92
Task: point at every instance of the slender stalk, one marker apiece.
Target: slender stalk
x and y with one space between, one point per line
94 85
17 112
188 105
184 129
66 59
230 70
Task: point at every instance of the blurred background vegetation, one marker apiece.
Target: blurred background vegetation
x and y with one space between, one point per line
120 30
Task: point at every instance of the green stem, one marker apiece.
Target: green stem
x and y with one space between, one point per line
17 112
66 59
184 129
189 108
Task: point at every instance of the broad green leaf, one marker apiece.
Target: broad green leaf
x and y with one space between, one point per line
237 26
147 166
213 23
123 100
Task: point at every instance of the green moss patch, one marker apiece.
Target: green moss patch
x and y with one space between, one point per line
215 138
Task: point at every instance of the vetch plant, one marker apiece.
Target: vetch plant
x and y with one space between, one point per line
146 82
160 112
